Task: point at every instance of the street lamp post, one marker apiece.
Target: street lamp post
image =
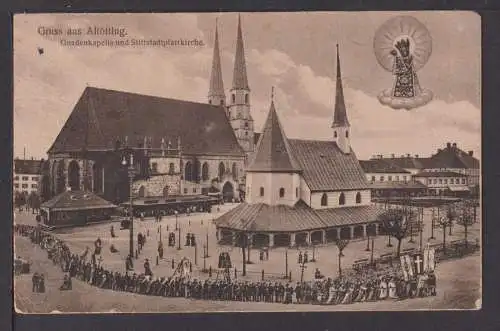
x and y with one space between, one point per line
433 220
131 174
371 254
302 267
421 226
176 213
367 241
179 241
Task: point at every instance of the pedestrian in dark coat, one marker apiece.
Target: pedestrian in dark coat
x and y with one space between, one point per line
35 281
41 284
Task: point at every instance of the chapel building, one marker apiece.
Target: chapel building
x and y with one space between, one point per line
301 192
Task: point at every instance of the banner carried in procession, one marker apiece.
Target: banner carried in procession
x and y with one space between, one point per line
429 259
407 266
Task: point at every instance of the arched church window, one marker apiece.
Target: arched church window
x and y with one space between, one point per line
358 197
222 170
188 171
324 200
233 98
210 101
171 168
342 199
74 175
261 191
296 192
204 171
246 98
282 192
222 102
347 134
234 171
246 124
335 134
246 133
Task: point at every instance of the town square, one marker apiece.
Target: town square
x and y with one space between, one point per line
141 200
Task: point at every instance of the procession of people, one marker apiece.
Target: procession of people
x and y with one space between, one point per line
387 284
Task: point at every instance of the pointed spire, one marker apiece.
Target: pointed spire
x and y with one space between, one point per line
340 113
240 80
216 83
273 151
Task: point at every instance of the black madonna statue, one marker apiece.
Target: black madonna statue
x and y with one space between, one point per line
403 45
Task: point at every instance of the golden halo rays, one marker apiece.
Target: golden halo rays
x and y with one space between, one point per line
397 28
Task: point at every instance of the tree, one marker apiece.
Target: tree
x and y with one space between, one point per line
35 201
341 244
466 219
243 242
447 221
19 199
396 223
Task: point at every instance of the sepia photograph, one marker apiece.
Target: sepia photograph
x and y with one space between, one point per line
247 162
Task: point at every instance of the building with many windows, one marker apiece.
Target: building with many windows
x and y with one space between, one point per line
387 179
301 192
454 170
27 175
444 182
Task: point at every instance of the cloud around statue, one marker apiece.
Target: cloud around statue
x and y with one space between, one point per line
387 99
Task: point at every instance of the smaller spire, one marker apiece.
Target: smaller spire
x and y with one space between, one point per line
240 80
272 93
216 88
340 113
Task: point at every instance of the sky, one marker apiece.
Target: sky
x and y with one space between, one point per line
294 52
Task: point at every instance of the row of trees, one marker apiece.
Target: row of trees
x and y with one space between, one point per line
400 222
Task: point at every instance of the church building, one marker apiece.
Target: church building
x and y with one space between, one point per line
301 192
178 147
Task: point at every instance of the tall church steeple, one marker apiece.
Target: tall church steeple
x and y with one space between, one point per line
216 95
340 123
239 107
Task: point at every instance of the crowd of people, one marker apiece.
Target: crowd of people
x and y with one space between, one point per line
370 286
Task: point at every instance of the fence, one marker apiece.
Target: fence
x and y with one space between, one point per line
454 249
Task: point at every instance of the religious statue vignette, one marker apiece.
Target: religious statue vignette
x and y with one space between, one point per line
245 162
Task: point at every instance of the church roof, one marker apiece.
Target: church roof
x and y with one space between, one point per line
381 166
101 117
216 83
340 113
261 217
77 200
454 157
410 162
240 80
273 151
325 167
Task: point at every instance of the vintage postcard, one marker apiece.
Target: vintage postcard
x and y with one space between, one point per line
223 162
